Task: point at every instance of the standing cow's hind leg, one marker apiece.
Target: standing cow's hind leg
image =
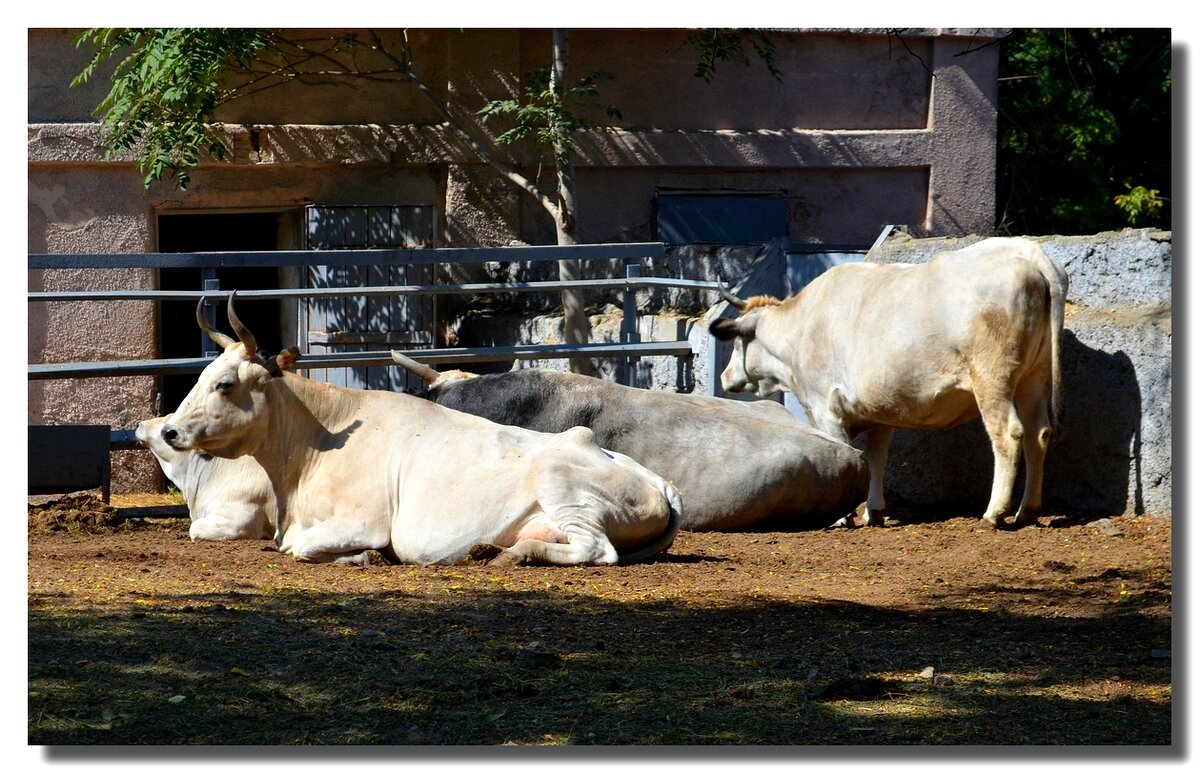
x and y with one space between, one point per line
879 440
1006 433
1032 410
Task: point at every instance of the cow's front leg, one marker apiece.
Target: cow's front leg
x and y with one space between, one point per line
336 541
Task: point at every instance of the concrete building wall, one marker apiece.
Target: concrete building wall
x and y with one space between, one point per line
864 129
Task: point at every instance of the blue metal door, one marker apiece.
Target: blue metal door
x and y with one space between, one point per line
368 324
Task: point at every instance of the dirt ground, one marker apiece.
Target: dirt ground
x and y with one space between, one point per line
925 632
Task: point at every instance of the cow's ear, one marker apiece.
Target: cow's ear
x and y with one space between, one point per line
727 329
286 360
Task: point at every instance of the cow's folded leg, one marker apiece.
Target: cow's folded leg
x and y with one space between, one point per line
541 552
215 528
849 521
335 541
571 543
360 559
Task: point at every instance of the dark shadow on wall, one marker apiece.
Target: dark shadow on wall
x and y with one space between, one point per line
936 473
1089 466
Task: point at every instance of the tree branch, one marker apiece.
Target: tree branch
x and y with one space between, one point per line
504 169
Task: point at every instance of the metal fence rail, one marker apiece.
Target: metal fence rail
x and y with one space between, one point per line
366 257
627 283
101 368
629 347
60 477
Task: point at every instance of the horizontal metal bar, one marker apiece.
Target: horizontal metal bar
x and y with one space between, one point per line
368 257
154 512
113 368
393 339
620 283
190 365
535 352
123 439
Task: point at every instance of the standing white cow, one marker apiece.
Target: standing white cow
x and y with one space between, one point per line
227 499
361 470
873 347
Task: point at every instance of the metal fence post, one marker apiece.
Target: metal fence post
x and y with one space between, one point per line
629 323
209 283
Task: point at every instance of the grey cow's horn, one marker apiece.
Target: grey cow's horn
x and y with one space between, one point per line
243 333
221 339
427 373
733 300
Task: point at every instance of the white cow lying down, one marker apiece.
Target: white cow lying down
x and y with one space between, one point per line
357 471
227 499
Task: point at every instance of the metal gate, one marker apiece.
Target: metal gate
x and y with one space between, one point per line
368 323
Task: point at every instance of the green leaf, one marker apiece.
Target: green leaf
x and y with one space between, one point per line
165 91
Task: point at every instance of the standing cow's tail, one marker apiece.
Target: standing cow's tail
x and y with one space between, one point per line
1056 279
664 539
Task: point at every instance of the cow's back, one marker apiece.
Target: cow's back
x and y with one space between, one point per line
899 344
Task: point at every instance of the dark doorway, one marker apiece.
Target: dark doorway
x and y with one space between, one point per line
179 334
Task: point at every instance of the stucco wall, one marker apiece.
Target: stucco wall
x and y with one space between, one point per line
862 128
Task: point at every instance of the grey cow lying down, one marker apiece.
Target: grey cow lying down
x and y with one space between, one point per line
736 464
357 471
227 499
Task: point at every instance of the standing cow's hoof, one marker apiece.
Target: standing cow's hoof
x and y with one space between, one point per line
1028 518
996 522
877 518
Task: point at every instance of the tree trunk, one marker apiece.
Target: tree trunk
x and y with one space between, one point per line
575 321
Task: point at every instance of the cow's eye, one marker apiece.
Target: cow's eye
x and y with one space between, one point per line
225 385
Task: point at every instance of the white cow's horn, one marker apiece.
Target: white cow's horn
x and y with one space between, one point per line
733 300
221 339
243 333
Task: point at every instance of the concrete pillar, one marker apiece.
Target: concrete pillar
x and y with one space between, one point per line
962 182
